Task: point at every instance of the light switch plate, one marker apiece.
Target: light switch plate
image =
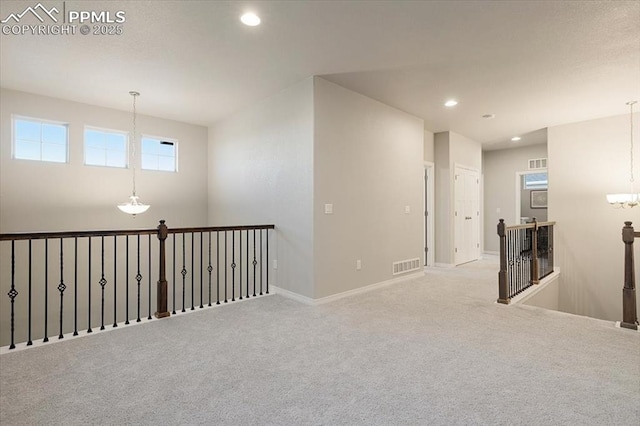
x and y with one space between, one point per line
328 209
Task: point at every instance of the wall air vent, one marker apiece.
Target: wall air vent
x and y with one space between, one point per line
404 266
537 163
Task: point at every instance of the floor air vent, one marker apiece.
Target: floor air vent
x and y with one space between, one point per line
406 266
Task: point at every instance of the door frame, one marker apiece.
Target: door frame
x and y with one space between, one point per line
480 216
428 205
519 190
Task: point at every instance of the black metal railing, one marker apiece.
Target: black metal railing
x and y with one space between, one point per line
526 257
110 276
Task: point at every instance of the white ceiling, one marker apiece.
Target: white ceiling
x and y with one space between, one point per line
533 64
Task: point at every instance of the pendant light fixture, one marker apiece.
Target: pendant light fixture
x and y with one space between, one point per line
632 198
133 207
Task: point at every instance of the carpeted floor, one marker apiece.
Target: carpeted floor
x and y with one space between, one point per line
430 351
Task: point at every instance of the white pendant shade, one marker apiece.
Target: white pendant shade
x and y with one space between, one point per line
133 206
623 200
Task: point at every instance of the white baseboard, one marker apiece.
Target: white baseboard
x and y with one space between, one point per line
291 295
444 265
491 253
314 302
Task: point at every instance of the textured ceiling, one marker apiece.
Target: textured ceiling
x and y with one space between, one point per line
533 64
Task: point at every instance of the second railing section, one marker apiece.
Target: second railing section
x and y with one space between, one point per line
526 257
60 283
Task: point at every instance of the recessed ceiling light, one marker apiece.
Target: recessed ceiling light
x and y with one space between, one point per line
489 116
515 138
451 103
250 19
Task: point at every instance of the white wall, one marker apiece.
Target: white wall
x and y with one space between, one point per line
368 163
41 196
499 169
587 160
261 172
429 152
451 150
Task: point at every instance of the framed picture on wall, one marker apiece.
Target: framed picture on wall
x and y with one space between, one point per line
539 199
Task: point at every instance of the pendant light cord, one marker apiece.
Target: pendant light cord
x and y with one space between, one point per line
133 143
631 127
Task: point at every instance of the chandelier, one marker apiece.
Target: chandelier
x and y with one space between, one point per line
134 206
632 198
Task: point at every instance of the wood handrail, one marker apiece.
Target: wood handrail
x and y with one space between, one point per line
219 228
530 225
110 233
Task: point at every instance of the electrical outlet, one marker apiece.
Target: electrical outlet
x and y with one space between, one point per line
358 264
275 263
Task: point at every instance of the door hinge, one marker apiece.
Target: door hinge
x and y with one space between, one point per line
456 250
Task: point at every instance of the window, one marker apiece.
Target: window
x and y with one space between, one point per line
39 140
535 181
106 148
159 154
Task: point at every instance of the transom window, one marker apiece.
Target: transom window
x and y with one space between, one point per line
535 181
159 154
106 148
40 140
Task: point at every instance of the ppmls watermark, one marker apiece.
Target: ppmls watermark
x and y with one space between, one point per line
57 20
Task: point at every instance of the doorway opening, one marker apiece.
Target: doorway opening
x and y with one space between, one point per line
428 209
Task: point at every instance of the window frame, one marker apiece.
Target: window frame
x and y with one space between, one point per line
535 187
40 121
126 135
160 139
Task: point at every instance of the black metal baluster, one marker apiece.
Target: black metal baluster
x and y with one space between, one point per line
510 261
255 263
217 267
138 278
89 290
75 286
225 267
261 264
193 270
61 287
13 293
149 291
29 341
233 266
184 273
201 275
174 274
266 231
126 313
103 283
247 274
46 288
115 281
240 269
209 268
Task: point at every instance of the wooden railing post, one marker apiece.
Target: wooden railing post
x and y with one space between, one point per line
535 279
502 275
162 302
629 312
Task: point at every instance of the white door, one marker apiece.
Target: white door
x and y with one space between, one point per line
466 215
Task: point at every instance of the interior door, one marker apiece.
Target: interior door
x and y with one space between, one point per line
466 215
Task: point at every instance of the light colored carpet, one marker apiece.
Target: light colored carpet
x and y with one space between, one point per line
430 351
